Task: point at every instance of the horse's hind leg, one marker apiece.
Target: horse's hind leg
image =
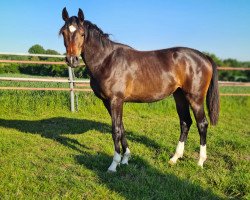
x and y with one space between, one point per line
197 105
182 107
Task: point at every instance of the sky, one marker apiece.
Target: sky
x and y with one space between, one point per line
221 27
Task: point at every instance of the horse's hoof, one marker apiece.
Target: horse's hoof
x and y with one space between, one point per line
111 171
126 157
124 161
171 162
200 165
201 161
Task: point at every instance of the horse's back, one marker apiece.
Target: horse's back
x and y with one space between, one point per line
153 75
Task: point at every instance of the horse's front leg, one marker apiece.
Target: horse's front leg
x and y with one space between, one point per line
116 108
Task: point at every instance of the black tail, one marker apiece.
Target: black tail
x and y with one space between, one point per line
213 98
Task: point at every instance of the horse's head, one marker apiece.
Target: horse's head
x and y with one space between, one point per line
73 35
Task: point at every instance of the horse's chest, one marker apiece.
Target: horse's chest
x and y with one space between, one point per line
97 89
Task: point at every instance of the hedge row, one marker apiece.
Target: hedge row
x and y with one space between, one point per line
41 70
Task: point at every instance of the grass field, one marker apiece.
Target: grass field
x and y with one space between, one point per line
47 152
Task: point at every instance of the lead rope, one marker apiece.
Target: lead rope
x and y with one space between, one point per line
76 93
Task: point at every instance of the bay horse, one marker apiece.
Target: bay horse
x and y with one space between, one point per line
119 73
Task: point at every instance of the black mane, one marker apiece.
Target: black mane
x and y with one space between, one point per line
92 31
89 26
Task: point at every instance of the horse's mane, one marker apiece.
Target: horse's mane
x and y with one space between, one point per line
89 26
94 32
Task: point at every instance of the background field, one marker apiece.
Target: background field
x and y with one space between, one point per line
48 152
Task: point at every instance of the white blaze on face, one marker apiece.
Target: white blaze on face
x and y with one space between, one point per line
72 28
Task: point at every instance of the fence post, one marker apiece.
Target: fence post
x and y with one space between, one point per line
71 85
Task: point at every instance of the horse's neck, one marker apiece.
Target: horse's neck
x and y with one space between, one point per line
95 53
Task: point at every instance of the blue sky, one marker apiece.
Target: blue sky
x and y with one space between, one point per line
216 26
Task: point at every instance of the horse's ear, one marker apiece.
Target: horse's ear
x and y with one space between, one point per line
80 15
65 14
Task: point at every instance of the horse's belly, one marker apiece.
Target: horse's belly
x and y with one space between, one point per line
148 94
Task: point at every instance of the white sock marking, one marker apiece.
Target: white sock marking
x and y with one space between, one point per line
72 28
179 152
126 157
203 155
116 161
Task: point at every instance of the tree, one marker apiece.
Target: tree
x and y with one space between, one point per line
217 60
52 52
37 49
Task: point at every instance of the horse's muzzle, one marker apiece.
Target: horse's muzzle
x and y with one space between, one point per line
72 61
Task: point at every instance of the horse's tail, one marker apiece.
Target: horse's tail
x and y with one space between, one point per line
213 98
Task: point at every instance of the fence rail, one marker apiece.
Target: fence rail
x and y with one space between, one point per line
234 94
234 84
46 89
233 68
36 62
33 62
32 55
49 80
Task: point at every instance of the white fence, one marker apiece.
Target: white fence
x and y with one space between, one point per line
71 80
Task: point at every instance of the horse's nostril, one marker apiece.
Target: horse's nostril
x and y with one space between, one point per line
67 59
72 61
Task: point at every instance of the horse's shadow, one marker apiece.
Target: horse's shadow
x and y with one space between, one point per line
59 128
139 180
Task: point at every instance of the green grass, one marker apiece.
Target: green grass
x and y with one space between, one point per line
47 152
